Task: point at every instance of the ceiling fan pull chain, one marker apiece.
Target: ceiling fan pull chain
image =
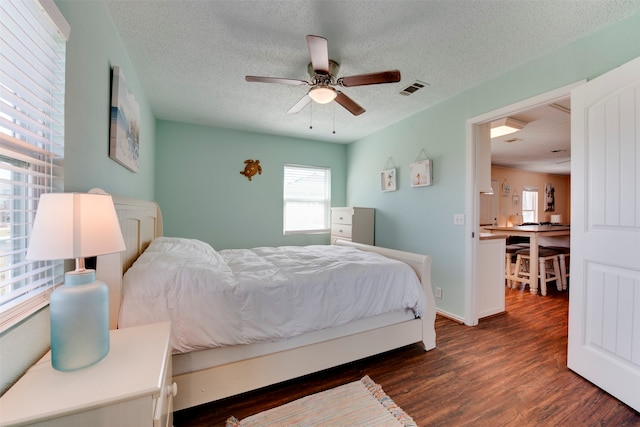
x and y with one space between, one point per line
311 116
334 118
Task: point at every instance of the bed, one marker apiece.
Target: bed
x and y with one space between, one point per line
207 374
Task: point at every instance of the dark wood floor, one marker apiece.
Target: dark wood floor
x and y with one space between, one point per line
510 370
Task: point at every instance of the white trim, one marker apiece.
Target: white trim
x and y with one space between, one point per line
472 193
450 316
471 230
20 312
64 29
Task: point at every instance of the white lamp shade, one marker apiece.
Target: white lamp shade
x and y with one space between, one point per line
74 225
323 95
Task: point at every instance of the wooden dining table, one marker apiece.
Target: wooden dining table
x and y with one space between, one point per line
533 232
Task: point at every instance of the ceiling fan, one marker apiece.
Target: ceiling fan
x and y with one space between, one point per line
323 72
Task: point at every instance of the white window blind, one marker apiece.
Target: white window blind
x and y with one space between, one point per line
32 81
307 199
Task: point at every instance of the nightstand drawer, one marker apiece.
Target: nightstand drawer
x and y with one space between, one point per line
342 230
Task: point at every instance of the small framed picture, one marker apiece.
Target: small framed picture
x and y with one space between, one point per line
515 199
506 188
421 173
388 180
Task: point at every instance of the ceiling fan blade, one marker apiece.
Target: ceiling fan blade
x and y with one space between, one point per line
319 52
349 104
279 80
298 106
391 76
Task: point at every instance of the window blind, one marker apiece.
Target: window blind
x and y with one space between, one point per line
33 38
307 199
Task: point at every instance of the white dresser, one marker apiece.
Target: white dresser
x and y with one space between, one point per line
355 224
131 386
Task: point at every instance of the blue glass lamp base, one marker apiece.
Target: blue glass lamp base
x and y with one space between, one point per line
79 322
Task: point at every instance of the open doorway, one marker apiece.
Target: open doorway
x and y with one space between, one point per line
478 142
534 163
603 126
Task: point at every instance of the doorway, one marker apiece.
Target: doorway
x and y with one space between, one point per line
477 159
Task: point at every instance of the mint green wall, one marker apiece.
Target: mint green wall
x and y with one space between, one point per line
203 195
417 219
421 219
93 48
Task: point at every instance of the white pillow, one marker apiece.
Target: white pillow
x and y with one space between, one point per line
182 245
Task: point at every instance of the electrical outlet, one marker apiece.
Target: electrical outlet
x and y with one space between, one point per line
438 292
458 219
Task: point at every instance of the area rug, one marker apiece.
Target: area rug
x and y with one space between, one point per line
360 403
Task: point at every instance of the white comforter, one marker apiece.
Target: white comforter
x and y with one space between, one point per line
239 296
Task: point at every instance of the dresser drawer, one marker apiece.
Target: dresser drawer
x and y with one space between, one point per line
342 216
342 230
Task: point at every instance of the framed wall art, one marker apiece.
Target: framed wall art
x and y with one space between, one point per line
549 198
124 138
506 188
388 180
421 173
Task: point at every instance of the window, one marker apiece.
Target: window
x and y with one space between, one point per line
307 199
530 205
32 78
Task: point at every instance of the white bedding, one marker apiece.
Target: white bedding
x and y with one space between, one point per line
240 296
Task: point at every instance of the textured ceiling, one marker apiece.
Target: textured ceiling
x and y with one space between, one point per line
192 56
543 145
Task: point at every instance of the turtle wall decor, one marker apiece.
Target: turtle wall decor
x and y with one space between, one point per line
251 167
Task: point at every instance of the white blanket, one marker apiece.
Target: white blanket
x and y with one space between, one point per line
239 296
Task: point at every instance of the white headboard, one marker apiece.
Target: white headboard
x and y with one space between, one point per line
140 222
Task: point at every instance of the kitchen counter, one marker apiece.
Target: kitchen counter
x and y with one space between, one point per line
534 232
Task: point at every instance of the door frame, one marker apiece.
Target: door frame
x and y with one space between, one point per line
472 201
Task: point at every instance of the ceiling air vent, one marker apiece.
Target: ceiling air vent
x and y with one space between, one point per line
410 90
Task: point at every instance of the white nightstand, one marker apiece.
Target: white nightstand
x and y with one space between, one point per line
131 386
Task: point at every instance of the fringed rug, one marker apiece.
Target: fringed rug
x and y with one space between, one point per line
360 403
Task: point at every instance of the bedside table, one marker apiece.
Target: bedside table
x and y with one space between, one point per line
131 386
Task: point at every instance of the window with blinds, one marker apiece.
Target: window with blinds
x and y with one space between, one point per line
530 205
32 81
307 199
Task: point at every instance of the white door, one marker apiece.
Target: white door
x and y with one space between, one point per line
604 302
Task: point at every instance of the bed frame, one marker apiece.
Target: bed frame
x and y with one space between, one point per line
244 368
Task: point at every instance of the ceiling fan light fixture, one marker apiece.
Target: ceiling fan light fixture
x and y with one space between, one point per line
323 94
505 126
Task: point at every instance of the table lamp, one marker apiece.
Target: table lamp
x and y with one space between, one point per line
77 225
